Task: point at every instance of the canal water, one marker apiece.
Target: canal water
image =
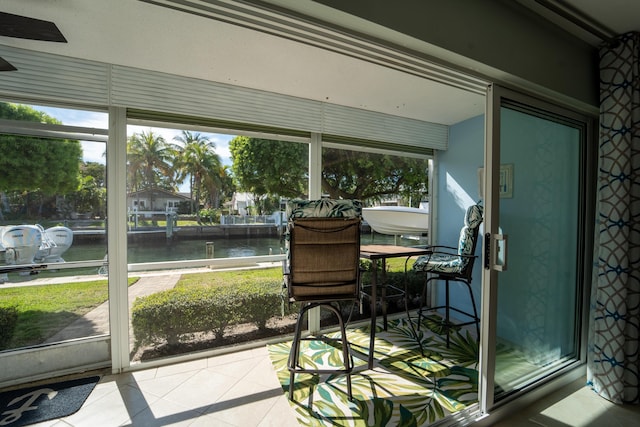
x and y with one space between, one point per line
154 249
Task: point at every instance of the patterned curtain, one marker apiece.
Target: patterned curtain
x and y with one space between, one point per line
613 362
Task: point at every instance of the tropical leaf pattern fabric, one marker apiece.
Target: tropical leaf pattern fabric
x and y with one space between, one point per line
406 389
614 347
473 217
440 262
443 261
324 208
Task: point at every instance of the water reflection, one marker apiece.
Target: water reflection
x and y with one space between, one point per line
154 250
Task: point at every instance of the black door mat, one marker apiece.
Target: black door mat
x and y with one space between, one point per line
32 405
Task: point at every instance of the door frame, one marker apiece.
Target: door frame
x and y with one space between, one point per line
495 99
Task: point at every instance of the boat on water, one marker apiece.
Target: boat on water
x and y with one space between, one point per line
397 220
29 244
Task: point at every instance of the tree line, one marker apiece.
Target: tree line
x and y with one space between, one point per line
38 172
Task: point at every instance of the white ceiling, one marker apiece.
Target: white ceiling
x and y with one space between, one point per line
137 34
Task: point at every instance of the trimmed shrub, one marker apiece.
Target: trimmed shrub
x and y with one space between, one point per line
178 312
8 321
260 302
168 315
202 304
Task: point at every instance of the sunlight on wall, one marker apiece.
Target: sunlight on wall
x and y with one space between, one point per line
459 195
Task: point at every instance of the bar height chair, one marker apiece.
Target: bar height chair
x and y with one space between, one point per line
322 269
449 264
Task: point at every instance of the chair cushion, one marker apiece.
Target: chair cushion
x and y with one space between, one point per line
440 263
324 208
450 263
465 244
473 218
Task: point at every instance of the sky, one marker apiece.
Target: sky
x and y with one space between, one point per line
94 151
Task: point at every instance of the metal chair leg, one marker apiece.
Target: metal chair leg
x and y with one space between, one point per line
447 306
295 350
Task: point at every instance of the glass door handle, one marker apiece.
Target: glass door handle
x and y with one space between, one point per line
501 252
495 252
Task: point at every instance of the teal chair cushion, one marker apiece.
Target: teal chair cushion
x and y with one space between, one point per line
473 218
324 208
450 261
439 262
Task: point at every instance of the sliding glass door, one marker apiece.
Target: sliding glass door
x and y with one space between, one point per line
536 223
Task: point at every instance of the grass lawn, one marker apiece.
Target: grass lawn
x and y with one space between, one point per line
43 310
231 277
394 265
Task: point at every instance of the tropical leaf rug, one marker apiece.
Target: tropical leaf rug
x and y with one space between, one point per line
404 388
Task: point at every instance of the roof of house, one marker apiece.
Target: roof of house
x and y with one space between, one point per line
159 192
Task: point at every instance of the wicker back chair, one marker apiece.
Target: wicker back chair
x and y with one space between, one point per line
322 269
453 264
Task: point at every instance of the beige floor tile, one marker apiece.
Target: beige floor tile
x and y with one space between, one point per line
142 374
165 413
262 372
241 390
202 390
245 404
237 369
160 386
179 368
231 357
208 420
112 409
280 415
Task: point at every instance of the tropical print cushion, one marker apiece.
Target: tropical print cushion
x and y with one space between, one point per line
324 208
473 218
465 244
439 262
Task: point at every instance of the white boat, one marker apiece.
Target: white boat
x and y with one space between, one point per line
28 244
21 243
58 240
397 220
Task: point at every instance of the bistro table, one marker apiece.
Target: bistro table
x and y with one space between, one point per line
377 253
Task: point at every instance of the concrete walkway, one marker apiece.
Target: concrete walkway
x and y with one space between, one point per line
96 322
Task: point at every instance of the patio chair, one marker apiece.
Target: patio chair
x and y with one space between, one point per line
449 264
322 269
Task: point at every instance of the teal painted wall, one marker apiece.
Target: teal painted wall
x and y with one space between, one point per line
457 190
537 293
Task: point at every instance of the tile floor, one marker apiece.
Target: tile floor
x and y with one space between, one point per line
574 405
236 389
241 389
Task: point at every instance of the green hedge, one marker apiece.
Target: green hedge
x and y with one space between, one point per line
212 305
181 311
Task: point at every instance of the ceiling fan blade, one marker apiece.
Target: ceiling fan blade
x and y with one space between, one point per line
6 66
29 28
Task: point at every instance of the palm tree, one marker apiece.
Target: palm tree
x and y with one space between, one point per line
150 159
199 161
150 162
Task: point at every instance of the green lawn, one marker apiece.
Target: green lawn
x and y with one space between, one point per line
230 277
43 310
